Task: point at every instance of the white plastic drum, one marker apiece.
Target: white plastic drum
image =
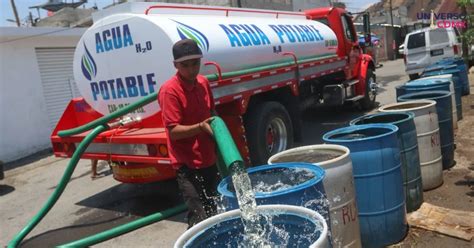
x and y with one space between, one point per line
427 129
339 186
125 57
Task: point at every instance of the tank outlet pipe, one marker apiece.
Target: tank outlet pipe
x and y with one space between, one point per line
117 231
61 186
153 97
232 160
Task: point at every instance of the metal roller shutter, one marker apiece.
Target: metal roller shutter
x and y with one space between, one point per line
59 87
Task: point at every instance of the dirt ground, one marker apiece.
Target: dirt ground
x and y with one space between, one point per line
457 191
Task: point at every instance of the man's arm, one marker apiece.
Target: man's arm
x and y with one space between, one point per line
186 131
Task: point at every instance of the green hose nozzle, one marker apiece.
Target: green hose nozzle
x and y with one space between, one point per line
228 152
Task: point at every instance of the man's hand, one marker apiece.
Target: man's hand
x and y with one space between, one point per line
206 126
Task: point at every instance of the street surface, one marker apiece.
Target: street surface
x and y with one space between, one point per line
91 206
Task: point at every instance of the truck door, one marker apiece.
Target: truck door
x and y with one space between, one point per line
351 44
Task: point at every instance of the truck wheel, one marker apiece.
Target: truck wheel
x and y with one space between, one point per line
269 131
413 76
368 102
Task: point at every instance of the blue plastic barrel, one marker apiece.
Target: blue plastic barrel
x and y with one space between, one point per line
462 67
304 186
458 85
445 122
411 170
400 90
283 226
378 179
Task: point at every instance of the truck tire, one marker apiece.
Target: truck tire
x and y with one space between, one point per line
368 102
269 131
413 76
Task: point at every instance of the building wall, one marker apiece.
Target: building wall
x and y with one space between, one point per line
24 123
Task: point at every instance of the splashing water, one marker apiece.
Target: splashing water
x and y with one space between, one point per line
259 230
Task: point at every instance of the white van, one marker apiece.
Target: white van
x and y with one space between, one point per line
427 46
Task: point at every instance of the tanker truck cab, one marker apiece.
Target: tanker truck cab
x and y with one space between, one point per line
263 68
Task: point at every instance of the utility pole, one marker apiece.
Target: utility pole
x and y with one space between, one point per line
17 19
393 33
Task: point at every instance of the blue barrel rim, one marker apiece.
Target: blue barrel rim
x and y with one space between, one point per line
427 83
190 235
411 116
327 136
319 172
441 94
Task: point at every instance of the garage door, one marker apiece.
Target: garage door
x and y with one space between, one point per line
55 65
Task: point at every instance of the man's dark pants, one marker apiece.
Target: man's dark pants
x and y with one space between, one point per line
199 190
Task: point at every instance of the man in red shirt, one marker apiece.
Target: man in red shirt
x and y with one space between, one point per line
186 106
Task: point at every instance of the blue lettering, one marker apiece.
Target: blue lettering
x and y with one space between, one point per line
294 32
107 42
278 32
103 90
117 38
318 35
263 36
253 36
151 82
308 32
290 36
302 33
120 89
131 86
232 37
112 88
98 44
94 90
243 37
141 87
127 37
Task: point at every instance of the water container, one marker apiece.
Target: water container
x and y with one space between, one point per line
462 67
305 228
378 179
445 122
427 131
458 85
441 82
338 184
400 90
308 192
411 172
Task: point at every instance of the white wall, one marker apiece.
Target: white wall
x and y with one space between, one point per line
24 124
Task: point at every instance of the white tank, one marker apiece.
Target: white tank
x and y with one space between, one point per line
427 132
124 57
338 184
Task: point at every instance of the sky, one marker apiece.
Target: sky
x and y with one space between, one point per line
23 10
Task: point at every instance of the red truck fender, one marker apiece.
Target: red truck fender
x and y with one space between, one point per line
366 63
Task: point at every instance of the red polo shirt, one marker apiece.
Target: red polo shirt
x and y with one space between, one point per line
186 104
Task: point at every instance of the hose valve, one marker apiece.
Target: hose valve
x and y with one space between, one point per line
125 121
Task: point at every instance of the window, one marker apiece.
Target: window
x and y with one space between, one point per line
346 25
439 36
416 40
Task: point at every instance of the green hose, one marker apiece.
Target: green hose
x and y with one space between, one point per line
60 188
228 151
153 97
114 232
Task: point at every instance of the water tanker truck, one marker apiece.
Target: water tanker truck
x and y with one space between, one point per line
263 66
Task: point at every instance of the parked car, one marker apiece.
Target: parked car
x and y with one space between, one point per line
427 46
